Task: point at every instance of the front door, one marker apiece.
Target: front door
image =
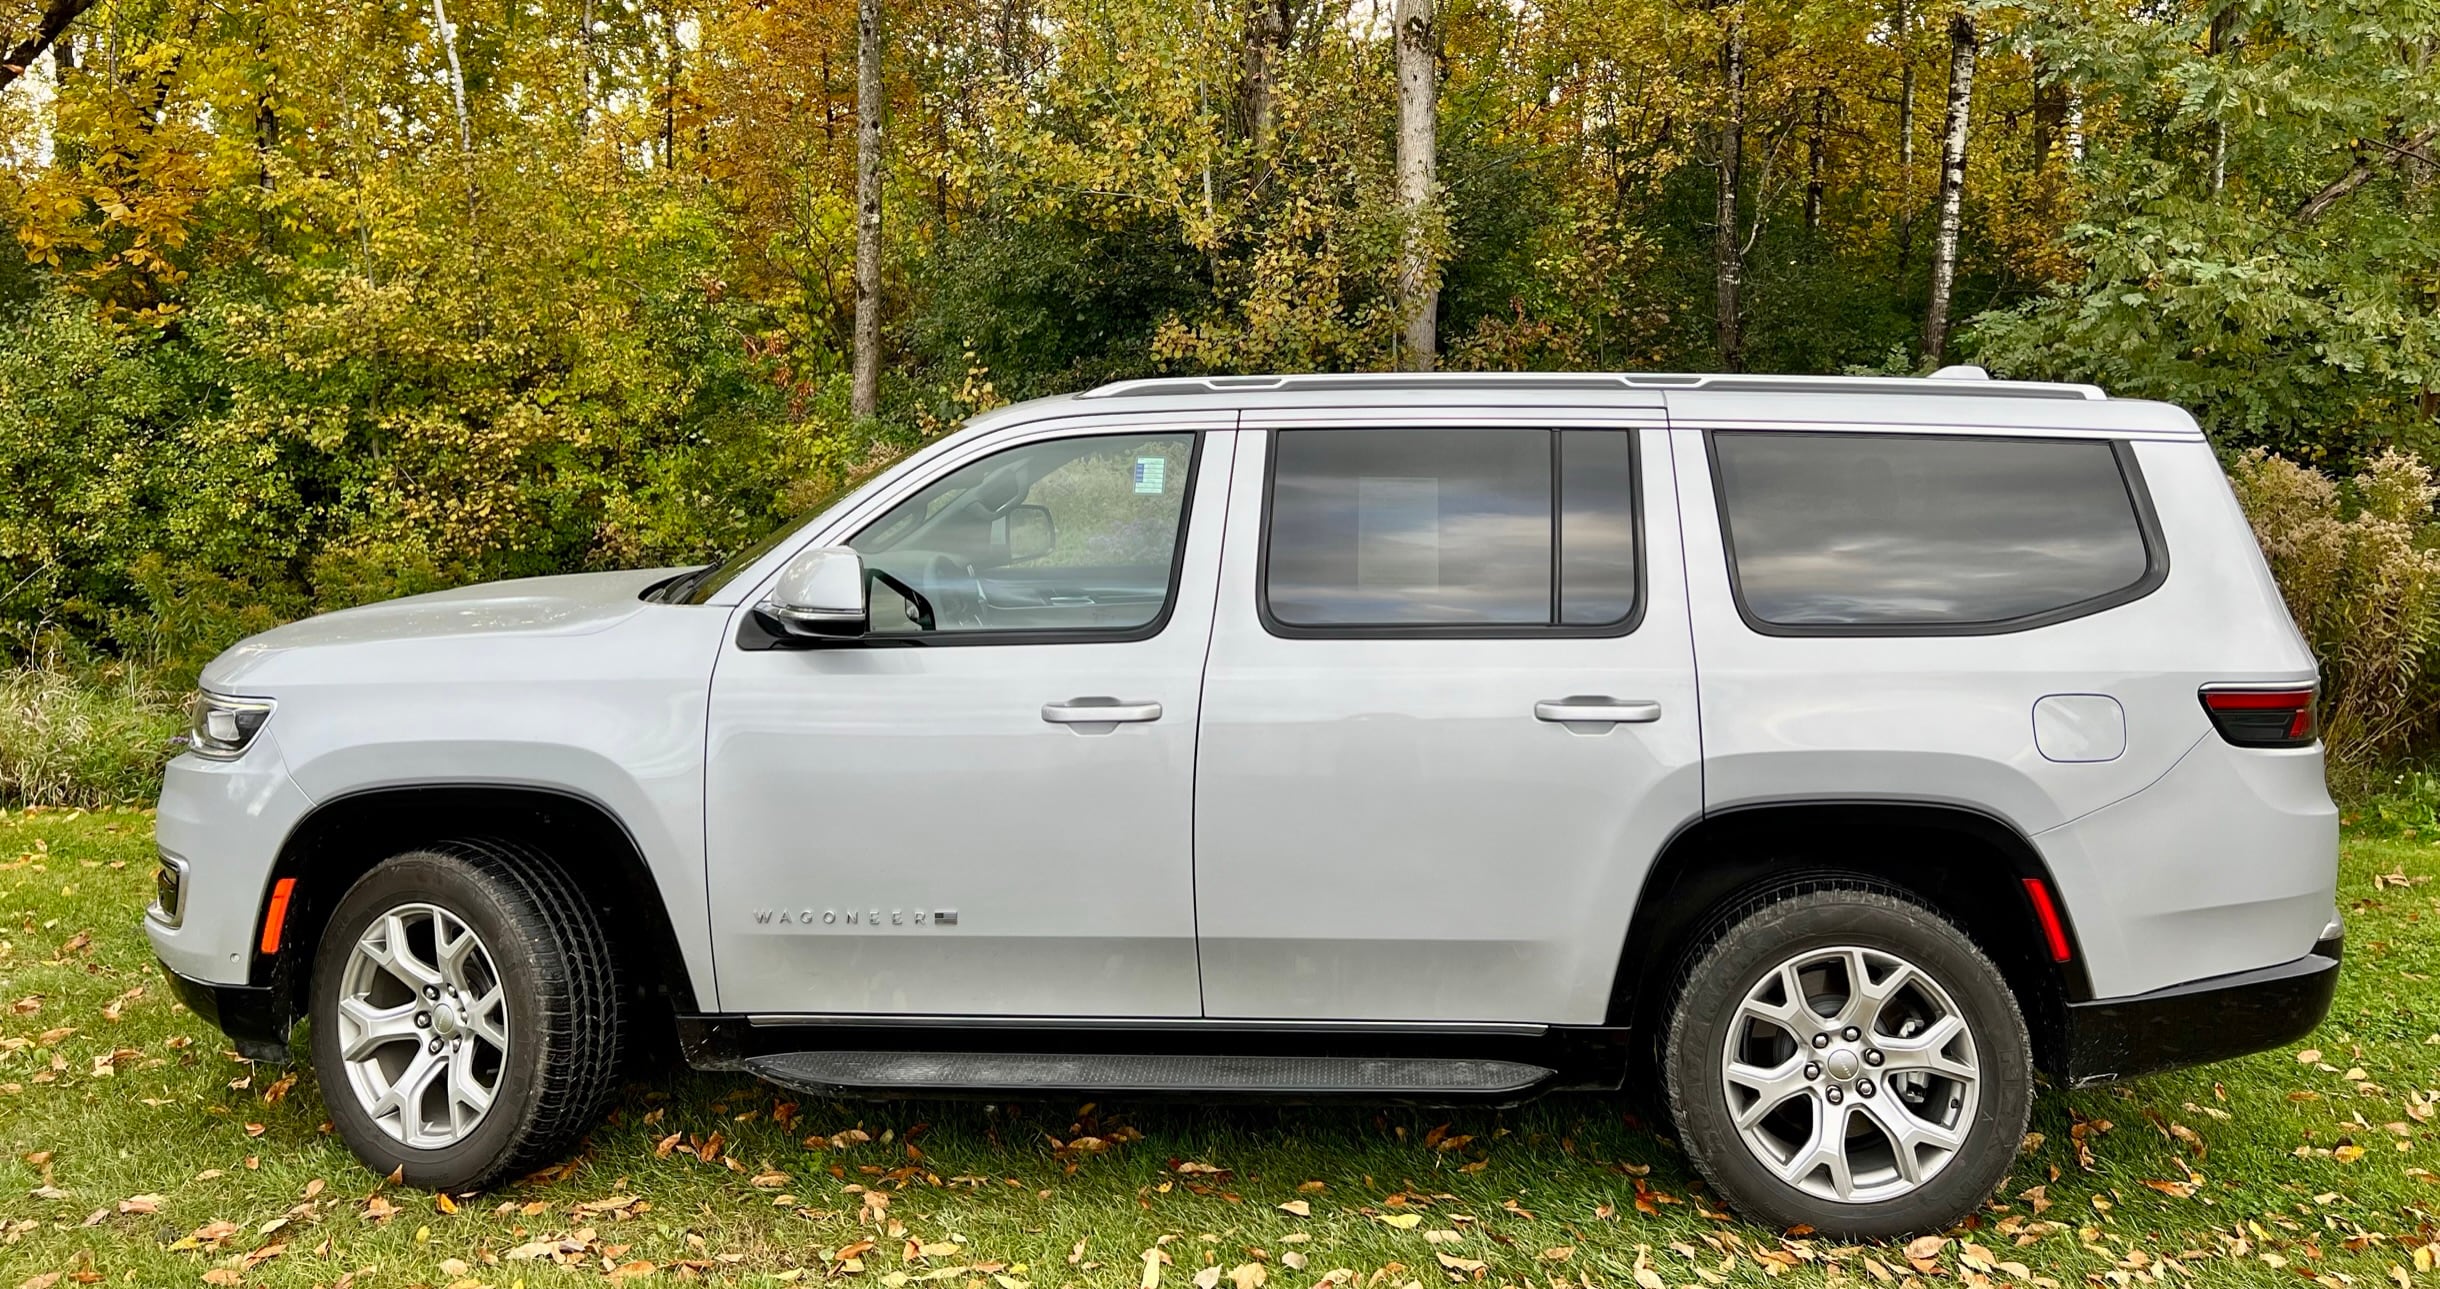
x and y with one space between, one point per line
991 815
1449 718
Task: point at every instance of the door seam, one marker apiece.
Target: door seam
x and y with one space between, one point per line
1194 756
1694 652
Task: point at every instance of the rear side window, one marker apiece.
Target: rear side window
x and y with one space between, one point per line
1482 531
1845 533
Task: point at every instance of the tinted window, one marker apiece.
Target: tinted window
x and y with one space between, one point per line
1596 526
1073 534
1451 528
1896 530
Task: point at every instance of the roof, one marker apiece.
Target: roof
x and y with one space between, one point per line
1953 399
1949 380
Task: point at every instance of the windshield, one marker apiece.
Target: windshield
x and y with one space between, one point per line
695 588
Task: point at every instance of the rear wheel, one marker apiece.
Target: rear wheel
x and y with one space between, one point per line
1844 1058
466 1015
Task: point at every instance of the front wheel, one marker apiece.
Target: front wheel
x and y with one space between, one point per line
1847 1059
466 1015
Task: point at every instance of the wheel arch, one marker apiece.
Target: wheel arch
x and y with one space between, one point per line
1969 865
342 838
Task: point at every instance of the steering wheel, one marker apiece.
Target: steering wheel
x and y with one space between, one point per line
955 593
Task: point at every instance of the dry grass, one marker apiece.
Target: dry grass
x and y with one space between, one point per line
2359 564
70 742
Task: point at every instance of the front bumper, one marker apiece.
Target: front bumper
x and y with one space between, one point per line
224 822
2202 1020
255 1017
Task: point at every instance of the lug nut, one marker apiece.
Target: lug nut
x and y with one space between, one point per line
1852 1034
1873 1057
432 991
1813 1069
423 1020
1821 1040
436 1047
1864 1088
1833 1096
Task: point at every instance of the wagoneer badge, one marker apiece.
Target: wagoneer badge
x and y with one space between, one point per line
856 917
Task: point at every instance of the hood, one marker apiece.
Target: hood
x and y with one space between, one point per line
572 605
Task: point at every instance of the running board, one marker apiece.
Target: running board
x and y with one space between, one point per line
865 1072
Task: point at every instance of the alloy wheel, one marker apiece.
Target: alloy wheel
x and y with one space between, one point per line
1851 1074
423 1025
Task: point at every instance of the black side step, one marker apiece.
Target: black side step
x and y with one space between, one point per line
867 1072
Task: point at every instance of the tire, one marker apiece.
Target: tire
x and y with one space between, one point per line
1940 1063
520 1060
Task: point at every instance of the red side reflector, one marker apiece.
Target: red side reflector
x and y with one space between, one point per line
2262 717
2048 915
276 918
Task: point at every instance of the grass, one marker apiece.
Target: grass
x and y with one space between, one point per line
81 741
138 1151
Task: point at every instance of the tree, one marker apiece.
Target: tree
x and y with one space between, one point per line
1962 51
48 26
1817 142
866 399
1418 54
1728 173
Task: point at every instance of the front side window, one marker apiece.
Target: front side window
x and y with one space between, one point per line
1066 535
1451 529
1887 532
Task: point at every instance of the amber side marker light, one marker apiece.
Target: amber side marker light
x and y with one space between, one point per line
276 918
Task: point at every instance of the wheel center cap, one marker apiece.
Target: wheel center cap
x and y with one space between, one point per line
445 1023
1842 1063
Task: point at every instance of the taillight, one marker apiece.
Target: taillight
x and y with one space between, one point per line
2257 717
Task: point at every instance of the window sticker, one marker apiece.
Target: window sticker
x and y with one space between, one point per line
1151 475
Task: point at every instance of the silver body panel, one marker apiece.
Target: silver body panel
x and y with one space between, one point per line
1313 830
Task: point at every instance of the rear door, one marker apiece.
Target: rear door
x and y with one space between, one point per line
1449 717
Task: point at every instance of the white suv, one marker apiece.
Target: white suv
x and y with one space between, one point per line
1830 753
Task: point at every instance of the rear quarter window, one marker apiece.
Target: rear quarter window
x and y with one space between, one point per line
1856 533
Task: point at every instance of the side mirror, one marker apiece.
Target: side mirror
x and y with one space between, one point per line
820 594
1031 533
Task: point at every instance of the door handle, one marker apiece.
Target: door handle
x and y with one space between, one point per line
1098 711
1595 709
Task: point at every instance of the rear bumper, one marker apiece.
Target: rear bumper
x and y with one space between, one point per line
255 1017
2202 1020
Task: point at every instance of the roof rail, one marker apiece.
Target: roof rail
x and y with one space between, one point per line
1957 380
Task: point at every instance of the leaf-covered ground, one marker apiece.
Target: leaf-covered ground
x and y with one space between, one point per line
138 1151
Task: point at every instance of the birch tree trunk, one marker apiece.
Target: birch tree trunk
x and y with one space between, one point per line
1727 248
457 75
2224 39
1418 92
584 43
865 397
1900 38
1962 49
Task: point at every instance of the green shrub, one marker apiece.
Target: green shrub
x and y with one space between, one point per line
71 742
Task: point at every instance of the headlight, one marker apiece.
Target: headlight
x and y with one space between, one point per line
222 728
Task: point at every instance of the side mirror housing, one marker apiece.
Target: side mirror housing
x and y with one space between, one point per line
820 595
